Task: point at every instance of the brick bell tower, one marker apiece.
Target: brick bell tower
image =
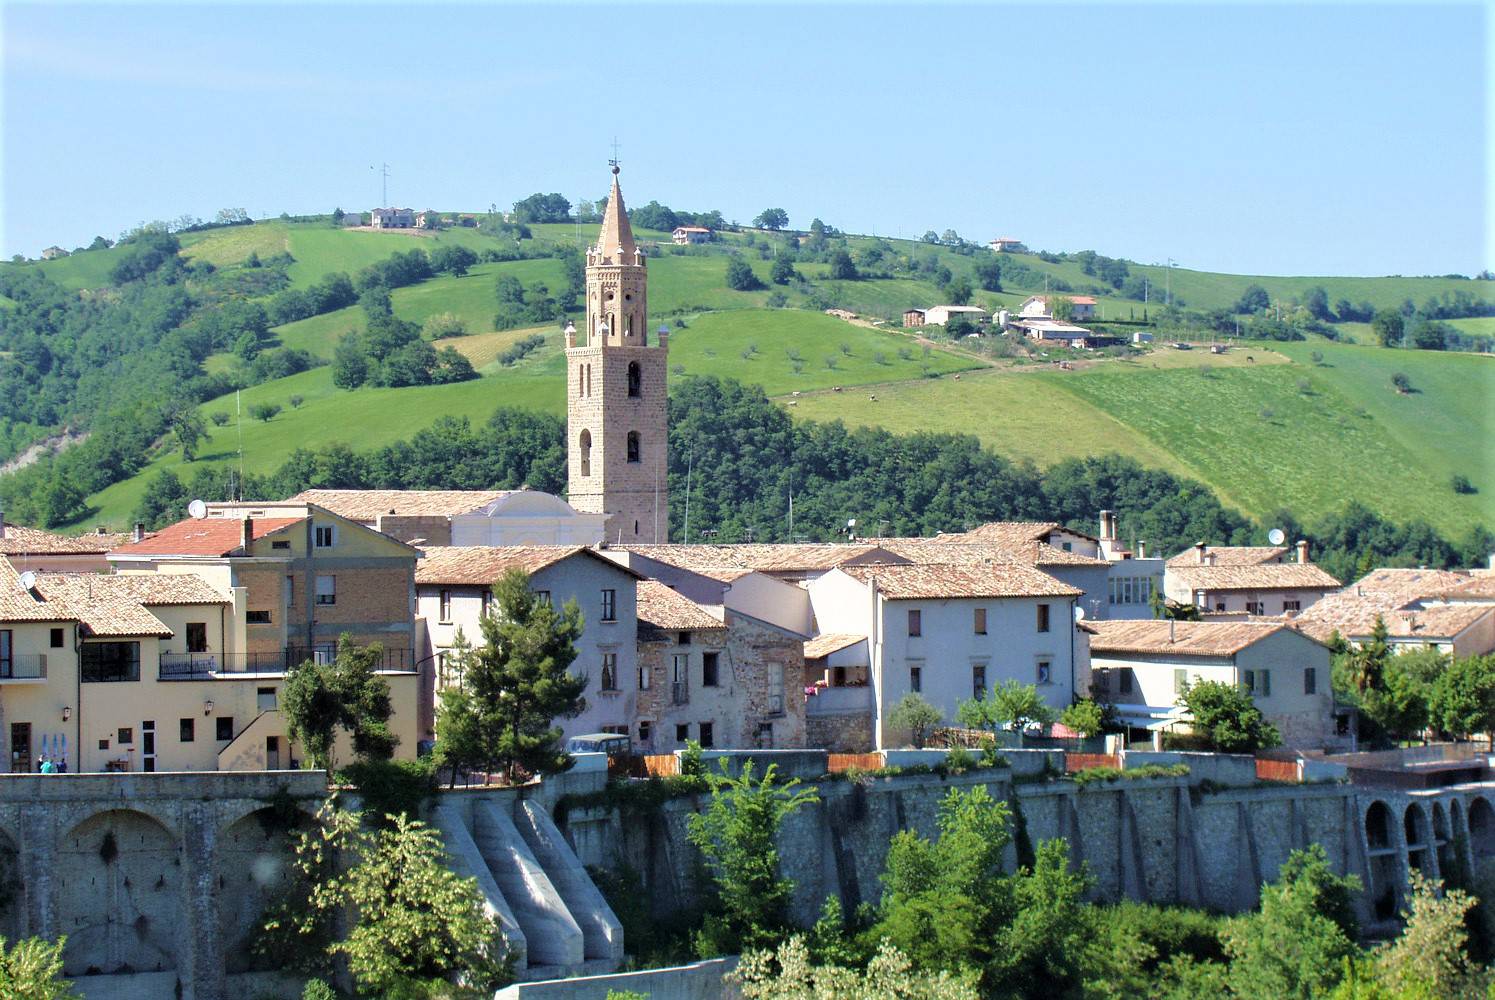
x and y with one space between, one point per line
616 417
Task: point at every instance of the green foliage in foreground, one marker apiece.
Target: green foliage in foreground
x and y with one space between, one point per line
914 715
31 969
1227 715
319 698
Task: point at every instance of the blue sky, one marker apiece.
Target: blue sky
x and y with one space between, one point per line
1328 139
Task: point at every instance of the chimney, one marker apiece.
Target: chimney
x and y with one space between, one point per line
138 535
2 531
1141 549
99 530
1171 623
1210 558
1199 552
246 534
1303 551
1107 526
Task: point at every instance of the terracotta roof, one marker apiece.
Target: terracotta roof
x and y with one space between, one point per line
205 537
1189 638
767 557
481 565
1266 576
1229 555
831 642
17 604
1006 532
939 550
16 539
368 505
1435 621
945 581
1480 588
118 605
666 609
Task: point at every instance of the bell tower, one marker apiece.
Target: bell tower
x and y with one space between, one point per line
616 414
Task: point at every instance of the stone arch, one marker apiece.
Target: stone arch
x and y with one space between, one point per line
584 451
1418 838
1481 829
255 855
12 897
1443 843
119 892
1384 843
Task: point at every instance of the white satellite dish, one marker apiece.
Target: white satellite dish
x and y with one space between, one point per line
1276 536
28 579
197 509
1079 613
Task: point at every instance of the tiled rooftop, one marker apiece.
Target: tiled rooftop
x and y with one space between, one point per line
204 537
1178 638
945 581
368 505
668 610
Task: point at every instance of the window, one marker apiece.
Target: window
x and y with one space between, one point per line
1292 606
326 534
682 732
1310 680
264 699
257 617
609 605
609 671
978 623
1043 618
1264 678
7 654
978 681
110 661
916 679
765 735
326 590
188 730
645 731
197 637
1100 681
683 639
541 596
584 452
1257 682
707 738
280 543
224 726
445 616
644 678
1253 607
1069 546
126 735
57 639
633 447
1180 681
709 670
635 380
290 591
1045 672
1124 681
1219 605
915 622
775 689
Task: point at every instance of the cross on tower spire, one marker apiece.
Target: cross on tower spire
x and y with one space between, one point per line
615 162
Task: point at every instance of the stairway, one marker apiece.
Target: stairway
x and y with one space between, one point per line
546 905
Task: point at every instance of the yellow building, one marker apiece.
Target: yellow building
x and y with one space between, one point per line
175 663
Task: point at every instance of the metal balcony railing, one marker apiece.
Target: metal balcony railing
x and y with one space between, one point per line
24 666
189 666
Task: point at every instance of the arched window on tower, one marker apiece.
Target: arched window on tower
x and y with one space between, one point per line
635 380
633 446
584 447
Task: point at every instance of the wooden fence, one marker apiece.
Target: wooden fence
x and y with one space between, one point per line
1084 761
1276 770
655 765
845 761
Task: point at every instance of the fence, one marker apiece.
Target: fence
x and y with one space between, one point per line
846 761
654 765
1276 770
1084 761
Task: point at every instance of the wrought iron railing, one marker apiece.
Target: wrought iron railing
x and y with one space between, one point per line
24 666
187 666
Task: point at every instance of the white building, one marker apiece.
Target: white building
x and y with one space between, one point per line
1041 306
941 315
1006 244
463 517
454 589
686 235
1245 580
392 218
952 632
1142 667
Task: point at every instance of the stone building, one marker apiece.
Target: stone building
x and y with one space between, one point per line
461 517
717 676
616 416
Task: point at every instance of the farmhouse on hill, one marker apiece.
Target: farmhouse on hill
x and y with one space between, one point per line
684 235
392 218
1006 244
1041 306
941 315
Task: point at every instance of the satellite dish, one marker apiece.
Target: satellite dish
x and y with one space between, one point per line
1079 613
197 509
28 579
1276 536
851 522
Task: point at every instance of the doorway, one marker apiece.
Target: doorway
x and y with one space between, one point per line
148 746
20 748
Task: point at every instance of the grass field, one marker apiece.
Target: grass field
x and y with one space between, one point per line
1479 326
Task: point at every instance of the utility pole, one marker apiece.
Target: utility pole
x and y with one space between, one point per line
1168 279
383 169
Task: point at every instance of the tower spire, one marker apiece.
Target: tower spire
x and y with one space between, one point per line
615 244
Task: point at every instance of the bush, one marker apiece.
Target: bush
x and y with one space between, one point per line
219 418
295 402
519 349
916 716
391 787
264 411
740 276
1461 484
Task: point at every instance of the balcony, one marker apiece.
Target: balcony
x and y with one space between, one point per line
839 701
200 666
24 667
679 693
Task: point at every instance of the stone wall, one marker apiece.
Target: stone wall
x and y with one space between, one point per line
849 733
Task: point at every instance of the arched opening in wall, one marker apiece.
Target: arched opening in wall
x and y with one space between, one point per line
119 895
633 447
11 903
1385 860
1482 830
584 451
256 872
635 380
1443 846
1415 824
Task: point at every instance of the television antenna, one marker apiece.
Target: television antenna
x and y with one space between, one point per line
1276 536
197 509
